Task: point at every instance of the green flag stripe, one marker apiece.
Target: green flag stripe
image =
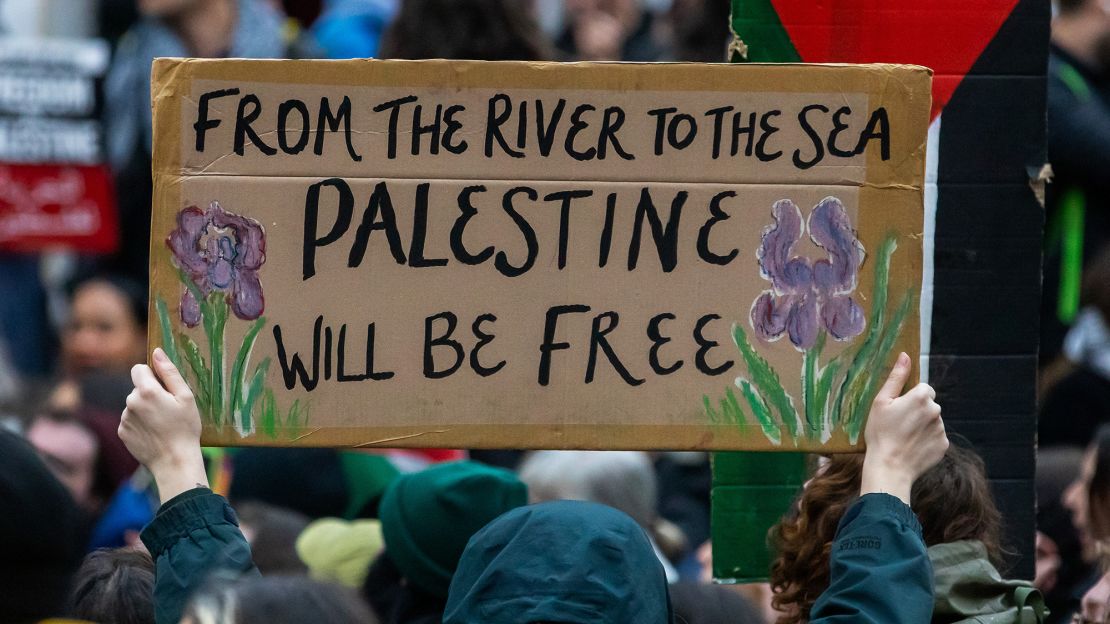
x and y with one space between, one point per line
757 24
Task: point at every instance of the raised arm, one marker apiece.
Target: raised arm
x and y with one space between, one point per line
879 571
195 531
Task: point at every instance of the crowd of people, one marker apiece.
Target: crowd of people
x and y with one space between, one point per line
113 513
462 542
1072 485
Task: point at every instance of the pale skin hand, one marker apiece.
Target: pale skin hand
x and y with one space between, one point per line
161 427
1094 605
905 435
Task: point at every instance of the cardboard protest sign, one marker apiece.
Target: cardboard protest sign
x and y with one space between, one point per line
54 187
467 254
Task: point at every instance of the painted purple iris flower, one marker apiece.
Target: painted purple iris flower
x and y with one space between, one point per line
219 251
807 295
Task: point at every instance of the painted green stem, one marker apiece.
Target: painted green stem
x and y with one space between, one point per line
879 366
813 409
855 379
214 312
240 404
767 381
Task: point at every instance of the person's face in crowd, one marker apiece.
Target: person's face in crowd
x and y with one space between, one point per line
70 451
1076 499
600 27
102 333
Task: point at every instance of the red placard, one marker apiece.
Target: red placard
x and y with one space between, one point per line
44 206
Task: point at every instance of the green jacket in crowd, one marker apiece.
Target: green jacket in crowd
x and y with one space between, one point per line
969 589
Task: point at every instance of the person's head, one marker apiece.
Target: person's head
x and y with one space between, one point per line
276 600
340 551
563 561
42 535
428 516
106 329
952 500
71 450
1082 28
624 480
482 30
115 586
1088 497
272 533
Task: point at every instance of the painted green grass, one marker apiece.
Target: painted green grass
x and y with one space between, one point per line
238 397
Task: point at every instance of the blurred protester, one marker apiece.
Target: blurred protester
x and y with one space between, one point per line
340 551
197 28
561 561
42 535
71 451
1076 388
102 338
700 30
483 30
623 480
277 600
317 483
115 586
130 509
96 469
427 518
272 534
1088 500
114 17
106 328
685 479
1060 566
26 345
1078 210
610 30
960 525
353 28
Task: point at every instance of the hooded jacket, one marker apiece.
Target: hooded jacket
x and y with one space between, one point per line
563 561
970 589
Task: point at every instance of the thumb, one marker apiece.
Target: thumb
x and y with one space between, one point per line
169 375
892 389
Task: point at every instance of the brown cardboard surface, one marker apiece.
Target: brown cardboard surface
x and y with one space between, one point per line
504 302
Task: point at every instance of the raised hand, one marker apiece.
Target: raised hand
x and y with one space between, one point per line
905 435
161 427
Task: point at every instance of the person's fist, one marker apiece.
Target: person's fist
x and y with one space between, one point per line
161 424
904 435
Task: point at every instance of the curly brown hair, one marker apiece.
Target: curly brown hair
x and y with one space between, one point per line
952 501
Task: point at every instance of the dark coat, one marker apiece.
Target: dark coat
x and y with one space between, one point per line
193 535
565 561
879 571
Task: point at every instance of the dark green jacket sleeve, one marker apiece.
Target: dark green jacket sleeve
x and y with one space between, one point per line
193 534
879 572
